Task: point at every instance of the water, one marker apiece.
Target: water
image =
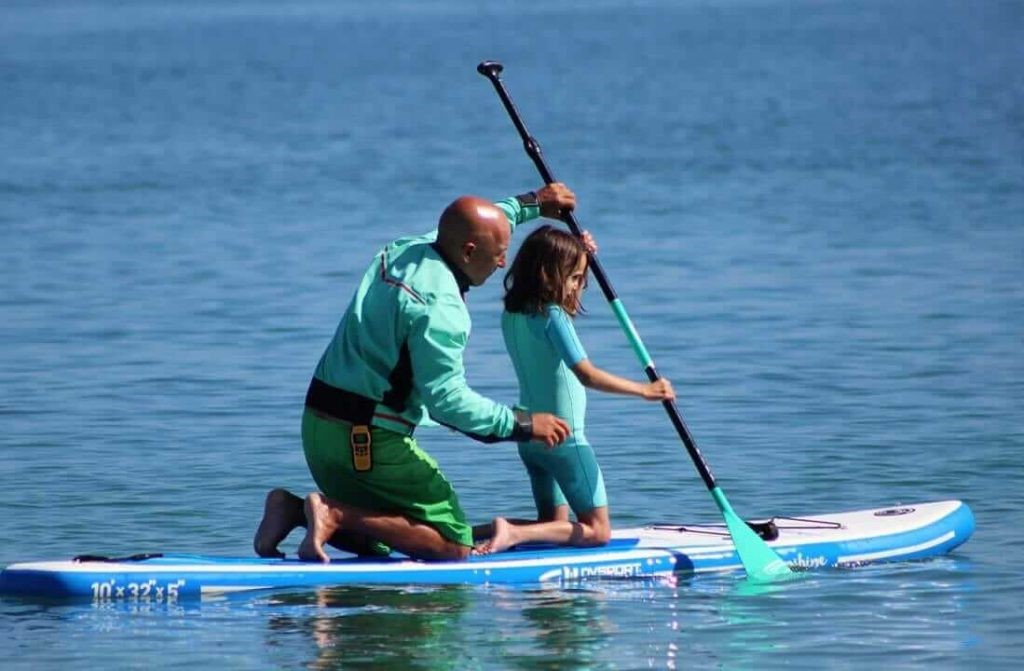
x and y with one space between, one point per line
812 210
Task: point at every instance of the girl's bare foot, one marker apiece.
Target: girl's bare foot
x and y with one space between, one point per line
503 538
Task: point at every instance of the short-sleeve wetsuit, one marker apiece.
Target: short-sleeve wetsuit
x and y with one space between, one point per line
543 348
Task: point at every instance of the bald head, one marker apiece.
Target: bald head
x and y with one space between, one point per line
474 234
468 218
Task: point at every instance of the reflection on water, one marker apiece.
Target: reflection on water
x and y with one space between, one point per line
870 614
892 615
521 628
360 626
551 628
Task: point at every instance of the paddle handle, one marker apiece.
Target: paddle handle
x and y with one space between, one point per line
492 70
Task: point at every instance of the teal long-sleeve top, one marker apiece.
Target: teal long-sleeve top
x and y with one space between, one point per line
402 336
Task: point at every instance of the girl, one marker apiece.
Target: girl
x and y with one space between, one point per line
543 289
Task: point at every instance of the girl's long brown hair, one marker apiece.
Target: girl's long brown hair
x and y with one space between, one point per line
540 270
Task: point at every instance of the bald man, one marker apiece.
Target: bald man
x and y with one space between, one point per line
395 361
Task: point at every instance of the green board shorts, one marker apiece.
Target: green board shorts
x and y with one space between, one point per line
568 474
404 479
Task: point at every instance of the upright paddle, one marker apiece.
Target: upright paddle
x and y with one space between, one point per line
760 561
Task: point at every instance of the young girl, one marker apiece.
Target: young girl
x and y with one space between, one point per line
543 289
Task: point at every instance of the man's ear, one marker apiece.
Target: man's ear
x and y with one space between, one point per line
467 251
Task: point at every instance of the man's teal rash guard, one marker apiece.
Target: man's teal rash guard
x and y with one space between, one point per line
410 299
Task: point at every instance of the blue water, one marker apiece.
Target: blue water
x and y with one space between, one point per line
814 212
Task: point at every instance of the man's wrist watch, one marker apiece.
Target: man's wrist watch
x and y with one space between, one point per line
528 199
523 429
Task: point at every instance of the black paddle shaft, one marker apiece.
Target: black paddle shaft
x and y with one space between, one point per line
492 70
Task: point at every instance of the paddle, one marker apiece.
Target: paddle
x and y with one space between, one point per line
759 560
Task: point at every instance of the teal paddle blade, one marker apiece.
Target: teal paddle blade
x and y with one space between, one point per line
760 561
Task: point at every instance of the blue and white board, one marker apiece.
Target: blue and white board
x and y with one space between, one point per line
901 533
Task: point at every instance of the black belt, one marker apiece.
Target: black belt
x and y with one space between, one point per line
347 406
339 403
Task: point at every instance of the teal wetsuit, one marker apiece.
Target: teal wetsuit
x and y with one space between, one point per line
543 348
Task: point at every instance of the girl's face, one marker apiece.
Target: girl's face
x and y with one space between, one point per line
577 280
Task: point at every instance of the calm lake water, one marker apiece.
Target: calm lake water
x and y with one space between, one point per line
814 212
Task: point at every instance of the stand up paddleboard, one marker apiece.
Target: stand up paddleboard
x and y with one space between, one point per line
909 532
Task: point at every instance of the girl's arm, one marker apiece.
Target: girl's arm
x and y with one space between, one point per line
594 378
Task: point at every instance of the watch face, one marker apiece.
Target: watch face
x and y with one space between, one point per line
527 199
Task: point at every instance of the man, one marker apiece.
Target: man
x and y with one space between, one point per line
395 359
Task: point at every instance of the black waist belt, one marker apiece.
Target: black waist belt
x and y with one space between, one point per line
339 403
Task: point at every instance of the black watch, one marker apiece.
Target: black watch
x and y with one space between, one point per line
523 430
528 199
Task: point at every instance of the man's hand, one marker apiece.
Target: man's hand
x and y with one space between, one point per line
553 198
549 429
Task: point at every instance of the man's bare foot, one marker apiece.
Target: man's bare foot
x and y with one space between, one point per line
282 512
321 523
504 537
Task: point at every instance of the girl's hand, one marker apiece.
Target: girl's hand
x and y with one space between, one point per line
588 242
660 390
